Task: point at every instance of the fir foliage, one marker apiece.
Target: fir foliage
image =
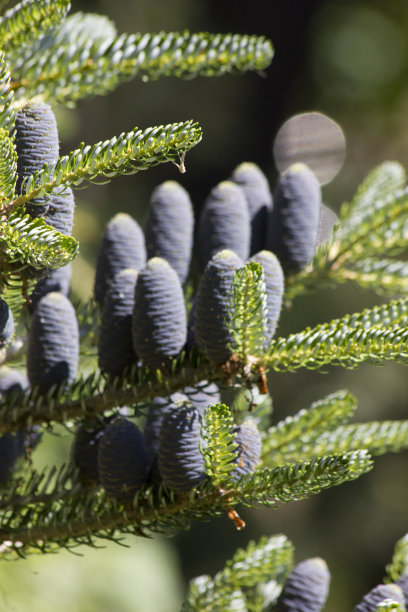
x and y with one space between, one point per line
64 60
247 312
65 66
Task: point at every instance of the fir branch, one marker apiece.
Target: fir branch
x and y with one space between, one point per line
377 437
28 20
219 449
287 483
284 439
68 70
384 276
204 596
67 522
268 559
27 241
383 181
375 222
381 228
124 154
93 394
8 167
7 114
390 605
40 487
248 312
373 335
399 562
14 289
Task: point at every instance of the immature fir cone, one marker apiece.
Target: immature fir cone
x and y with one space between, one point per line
157 409
85 449
170 226
58 279
202 395
122 246
249 443
293 224
6 323
224 223
159 318
274 288
37 144
115 346
53 343
60 213
211 313
12 445
255 186
122 459
306 588
379 594
181 462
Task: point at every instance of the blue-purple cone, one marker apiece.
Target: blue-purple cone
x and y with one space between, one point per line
60 213
11 448
85 450
181 462
274 287
115 346
202 395
53 343
12 445
122 246
170 226
37 144
306 588
379 594
293 224
55 280
159 318
155 415
191 342
224 223
249 449
6 323
211 313
255 186
122 459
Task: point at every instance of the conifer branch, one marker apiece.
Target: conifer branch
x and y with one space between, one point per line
28 20
374 335
27 241
68 69
300 480
8 167
399 562
124 154
384 276
377 437
264 562
247 312
281 440
7 114
219 448
375 222
65 522
94 394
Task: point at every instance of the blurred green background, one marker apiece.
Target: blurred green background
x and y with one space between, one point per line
348 59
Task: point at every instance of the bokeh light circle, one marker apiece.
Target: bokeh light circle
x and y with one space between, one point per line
314 139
